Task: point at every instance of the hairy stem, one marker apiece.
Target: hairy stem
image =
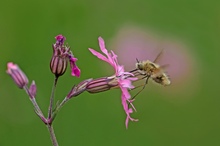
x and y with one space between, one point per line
59 107
50 110
52 135
36 107
62 103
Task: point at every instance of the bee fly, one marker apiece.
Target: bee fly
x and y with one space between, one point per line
152 70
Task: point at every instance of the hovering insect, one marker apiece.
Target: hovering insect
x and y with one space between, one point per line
152 70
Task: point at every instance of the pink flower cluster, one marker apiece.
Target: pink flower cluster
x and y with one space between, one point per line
64 51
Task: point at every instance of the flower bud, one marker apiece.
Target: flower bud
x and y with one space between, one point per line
33 89
17 75
58 65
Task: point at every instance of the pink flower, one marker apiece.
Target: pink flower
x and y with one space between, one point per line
60 39
61 55
124 79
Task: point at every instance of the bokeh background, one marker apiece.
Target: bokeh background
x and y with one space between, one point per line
187 113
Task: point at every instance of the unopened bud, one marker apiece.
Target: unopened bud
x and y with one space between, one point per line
58 65
33 89
17 75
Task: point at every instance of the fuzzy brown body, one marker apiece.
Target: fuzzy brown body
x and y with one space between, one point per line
153 71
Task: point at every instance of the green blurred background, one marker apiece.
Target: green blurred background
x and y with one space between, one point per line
27 30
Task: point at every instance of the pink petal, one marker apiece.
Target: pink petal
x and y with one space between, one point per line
126 84
99 55
111 59
76 71
120 70
126 93
102 46
10 66
127 111
74 67
125 96
60 37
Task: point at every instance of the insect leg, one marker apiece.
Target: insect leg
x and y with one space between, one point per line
142 88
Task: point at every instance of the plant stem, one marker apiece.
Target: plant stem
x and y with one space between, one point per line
36 107
50 110
52 135
58 108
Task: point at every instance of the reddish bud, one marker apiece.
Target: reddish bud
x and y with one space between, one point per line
33 89
17 75
58 65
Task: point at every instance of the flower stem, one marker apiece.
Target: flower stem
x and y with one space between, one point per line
58 108
50 110
52 135
36 107
62 103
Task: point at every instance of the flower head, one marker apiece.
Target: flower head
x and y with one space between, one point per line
17 75
123 78
61 55
60 39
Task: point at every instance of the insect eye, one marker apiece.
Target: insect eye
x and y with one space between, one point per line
139 67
